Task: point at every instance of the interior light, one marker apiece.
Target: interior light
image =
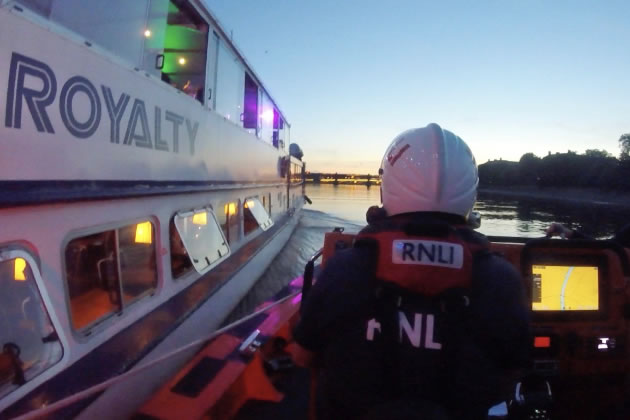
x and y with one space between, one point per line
603 343
143 233
147 33
200 218
249 204
18 272
230 209
542 342
267 115
182 60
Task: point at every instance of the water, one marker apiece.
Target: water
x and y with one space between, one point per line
500 216
345 206
289 264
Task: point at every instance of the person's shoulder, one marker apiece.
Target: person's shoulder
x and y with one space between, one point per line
349 258
493 272
498 263
473 237
488 263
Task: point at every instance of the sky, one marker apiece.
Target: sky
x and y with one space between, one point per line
509 77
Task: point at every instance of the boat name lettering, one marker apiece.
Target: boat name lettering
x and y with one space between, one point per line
139 128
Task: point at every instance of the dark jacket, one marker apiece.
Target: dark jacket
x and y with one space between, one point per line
480 342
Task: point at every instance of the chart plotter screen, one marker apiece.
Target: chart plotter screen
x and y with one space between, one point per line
565 288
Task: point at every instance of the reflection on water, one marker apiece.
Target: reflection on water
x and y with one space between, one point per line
529 217
500 216
348 202
345 206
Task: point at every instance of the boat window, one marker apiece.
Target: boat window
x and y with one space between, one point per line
266 116
116 25
177 32
211 69
167 38
285 134
28 341
103 267
255 215
230 85
278 130
228 219
202 238
137 260
250 224
180 261
296 173
250 101
154 34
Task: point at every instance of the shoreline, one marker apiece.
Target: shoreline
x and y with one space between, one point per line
576 195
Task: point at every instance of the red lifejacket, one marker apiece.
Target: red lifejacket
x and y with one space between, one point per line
427 265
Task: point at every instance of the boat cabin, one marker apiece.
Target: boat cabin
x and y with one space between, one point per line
147 185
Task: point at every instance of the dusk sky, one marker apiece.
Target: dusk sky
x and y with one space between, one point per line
509 77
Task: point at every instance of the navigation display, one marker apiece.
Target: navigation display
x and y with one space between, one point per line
565 288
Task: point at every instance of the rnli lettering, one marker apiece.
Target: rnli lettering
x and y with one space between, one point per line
34 83
423 252
372 328
412 330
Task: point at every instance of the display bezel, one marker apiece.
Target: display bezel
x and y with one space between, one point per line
555 257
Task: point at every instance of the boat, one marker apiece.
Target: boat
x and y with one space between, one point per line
579 368
146 184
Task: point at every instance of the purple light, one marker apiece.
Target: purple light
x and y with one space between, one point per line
267 115
297 281
273 318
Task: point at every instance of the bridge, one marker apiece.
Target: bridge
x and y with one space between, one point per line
346 179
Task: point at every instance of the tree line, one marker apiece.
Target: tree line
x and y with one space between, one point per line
592 169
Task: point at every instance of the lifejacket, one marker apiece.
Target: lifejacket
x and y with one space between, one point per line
424 258
432 275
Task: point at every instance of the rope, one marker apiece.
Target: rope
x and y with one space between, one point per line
41 412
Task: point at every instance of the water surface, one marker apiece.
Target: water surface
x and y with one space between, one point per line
345 206
500 216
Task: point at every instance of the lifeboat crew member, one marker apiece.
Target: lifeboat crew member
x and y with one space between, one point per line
418 319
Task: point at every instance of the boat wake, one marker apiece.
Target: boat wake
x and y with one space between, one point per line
289 264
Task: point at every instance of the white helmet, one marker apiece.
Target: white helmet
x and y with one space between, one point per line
428 169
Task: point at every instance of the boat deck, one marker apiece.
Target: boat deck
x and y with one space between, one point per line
295 385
